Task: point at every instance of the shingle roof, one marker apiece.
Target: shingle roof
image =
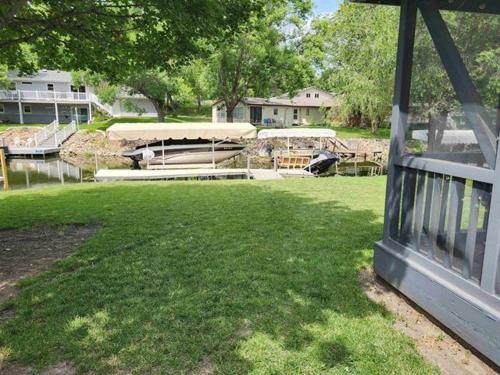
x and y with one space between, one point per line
285 101
42 76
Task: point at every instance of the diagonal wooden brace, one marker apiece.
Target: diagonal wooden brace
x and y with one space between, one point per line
459 76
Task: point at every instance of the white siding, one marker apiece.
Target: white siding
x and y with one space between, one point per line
120 110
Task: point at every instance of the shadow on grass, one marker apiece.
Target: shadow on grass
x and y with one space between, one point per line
247 275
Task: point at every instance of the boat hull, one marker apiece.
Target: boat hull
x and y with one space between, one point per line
185 153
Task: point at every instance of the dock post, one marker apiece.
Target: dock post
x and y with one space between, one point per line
96 167
213 153
248 166
3 163
163 152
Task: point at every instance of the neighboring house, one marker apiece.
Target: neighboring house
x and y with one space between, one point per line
306 107
49 95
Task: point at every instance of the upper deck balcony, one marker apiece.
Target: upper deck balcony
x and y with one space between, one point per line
45 96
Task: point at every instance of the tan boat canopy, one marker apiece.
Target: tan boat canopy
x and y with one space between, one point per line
195 130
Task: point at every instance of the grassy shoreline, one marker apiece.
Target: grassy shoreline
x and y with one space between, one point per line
249 276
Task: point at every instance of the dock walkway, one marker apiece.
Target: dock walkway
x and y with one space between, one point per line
166 174
47 141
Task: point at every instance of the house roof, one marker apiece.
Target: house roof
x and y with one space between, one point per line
285 100
41 76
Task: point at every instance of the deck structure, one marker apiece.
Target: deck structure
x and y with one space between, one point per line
47 141
441 244
176 173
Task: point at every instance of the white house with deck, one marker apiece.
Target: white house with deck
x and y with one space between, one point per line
49 95
306 107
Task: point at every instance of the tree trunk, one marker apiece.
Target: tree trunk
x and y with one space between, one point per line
229 114
161 109
437 125
199 103
161 115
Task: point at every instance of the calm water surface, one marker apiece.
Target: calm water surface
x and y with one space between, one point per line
30 173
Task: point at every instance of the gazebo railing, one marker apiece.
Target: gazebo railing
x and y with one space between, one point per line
443 216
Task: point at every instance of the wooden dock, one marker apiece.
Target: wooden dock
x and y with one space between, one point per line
170 174
32 151
47 141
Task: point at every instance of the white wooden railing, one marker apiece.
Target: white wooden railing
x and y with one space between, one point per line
60 136
43 95
94 99
54 96
46 132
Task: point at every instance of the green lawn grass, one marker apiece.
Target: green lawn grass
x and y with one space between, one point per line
252 276
4 127
103 125
346 133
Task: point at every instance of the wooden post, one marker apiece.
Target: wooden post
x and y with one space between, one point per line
248 166
163 152
89 120
3 164
400 107
213 153
21 116
96 166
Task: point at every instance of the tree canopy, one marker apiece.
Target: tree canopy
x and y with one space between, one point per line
109 37
264 57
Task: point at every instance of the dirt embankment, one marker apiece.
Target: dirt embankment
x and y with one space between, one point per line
84 147
20 136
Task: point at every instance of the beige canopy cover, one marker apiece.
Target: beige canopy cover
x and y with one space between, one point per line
195 130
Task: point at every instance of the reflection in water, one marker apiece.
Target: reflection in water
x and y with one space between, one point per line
26 173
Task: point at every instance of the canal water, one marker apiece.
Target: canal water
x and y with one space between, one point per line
30 173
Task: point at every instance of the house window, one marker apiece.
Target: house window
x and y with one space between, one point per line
295 114
308 95
77 89
316 95
12 86
50 86
238 113
27 109
275 111
2 108
26 83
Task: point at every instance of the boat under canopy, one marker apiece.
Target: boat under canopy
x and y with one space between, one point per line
165 131
297 133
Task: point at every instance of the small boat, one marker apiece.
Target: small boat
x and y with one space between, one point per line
319 160
173 152
321 163
182 143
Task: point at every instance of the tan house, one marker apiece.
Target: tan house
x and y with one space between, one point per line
305 108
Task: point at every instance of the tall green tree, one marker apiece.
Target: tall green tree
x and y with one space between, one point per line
263 58
197 77
110 36
355 51
158 86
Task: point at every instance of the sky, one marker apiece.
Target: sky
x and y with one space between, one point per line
326 6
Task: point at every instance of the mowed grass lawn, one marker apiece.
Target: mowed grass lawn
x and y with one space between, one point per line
234 277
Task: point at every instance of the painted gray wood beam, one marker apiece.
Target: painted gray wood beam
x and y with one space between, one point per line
400 106
447 167
457 303
474 6
490 274
459 76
